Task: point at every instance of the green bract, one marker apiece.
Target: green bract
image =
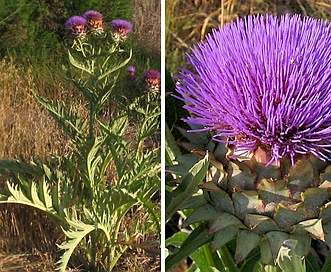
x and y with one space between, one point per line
272 213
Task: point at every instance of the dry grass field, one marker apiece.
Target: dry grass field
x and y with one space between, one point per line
27 238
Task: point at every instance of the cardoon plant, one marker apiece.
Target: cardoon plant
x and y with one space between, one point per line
112 168
120 29
260 104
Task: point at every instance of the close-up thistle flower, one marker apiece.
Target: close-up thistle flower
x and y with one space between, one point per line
76 26
152 80
265 82
257 86
120 29
94 21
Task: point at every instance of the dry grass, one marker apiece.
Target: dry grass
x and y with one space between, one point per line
27 237
25 129
188 21
147 21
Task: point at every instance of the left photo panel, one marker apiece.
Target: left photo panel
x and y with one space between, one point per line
80 123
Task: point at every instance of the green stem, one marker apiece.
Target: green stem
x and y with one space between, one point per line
92 121
227 260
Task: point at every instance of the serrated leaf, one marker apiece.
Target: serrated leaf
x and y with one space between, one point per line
17 195
79 65
115 68
68 120
75 236
34 195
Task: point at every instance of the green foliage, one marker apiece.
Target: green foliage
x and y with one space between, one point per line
270 214
33 31
108 173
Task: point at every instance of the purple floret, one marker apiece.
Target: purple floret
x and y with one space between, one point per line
92 14
94 21
131 70
121 28
76 25
152 74
264 81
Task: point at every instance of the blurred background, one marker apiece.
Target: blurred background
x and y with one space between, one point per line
189 21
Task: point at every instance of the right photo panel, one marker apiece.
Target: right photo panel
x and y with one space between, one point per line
248 135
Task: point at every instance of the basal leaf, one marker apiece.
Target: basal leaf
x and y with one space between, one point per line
197 238
188 186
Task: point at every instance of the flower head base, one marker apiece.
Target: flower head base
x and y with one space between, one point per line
76 26
94 21
120 29
152 80
264 81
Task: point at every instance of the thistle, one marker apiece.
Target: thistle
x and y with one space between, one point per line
76 27
264 82
94 21
260 113
152 80
120 29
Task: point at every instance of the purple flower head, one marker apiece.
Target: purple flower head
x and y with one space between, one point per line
94 20
131 70
264 82
121 28
152 80
76 26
